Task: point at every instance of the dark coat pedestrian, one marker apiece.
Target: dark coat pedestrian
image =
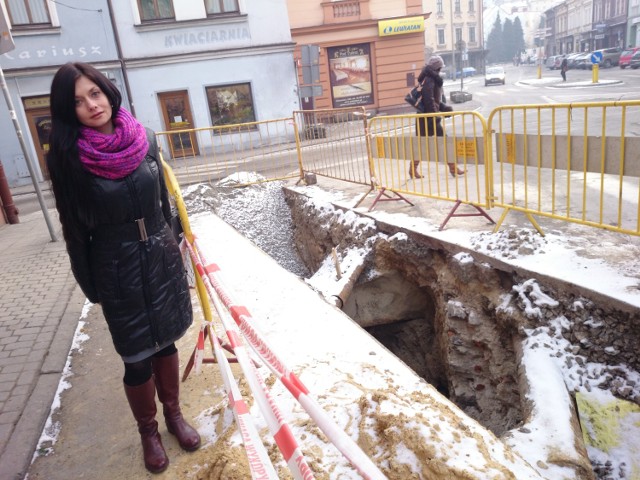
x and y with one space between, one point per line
564 66
115 212
431 82
432 95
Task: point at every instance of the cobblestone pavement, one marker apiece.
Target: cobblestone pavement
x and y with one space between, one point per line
39 309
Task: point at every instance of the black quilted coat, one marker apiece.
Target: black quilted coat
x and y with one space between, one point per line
140 283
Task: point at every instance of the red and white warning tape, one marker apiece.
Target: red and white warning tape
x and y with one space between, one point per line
280 430
349 448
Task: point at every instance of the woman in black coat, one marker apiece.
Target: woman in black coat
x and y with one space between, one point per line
432 92
114 210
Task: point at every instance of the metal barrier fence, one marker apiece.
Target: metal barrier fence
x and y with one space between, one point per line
209 154
447 167
573 162
333 143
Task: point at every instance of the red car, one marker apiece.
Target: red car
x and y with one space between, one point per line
625 57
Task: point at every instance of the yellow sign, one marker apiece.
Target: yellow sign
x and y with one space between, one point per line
511 148
400 26
466 148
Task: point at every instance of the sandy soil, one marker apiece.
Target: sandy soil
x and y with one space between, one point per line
97 435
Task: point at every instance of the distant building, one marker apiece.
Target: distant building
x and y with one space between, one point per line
370 51
633 24
456 28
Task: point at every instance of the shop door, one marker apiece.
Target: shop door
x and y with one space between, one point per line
39 120
177 116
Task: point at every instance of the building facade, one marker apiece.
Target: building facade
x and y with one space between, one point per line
633 23
583 26
47 35
456 32
368 51
178 63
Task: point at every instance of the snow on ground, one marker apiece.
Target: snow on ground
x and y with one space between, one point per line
547 355
51 429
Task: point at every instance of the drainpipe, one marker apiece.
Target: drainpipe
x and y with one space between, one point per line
7 200
123 67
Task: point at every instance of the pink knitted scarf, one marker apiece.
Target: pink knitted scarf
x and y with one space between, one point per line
117 155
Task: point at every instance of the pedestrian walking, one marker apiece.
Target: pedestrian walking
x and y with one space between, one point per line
115 212
563 69
432 83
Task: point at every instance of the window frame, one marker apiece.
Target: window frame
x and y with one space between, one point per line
31 24
222 8
157 11
441 36
234 120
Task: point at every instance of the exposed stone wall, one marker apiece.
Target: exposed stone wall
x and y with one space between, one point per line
470 306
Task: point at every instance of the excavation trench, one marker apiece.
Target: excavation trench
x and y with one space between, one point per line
440 310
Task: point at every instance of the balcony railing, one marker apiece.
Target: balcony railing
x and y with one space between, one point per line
346 11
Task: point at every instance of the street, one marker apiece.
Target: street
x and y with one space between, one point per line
516 93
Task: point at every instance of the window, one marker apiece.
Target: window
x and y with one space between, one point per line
472 8
457 7
439 7
458 34
156 10
472 34
28 12
215 7
441 36
230 104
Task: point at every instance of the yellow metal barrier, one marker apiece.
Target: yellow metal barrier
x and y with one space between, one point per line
398 153
208 154
176 194
573 162
333 144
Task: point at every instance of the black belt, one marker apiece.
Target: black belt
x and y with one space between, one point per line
140 229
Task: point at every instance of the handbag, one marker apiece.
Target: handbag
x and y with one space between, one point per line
176 225
444 108
414 98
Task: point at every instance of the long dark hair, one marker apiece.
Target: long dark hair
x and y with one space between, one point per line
68 177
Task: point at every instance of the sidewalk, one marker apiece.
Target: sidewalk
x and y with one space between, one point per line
39 309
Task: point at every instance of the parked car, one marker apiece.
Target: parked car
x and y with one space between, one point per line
610 57
467 72
635 60
582 61
495 75
571 59
551 61
625 56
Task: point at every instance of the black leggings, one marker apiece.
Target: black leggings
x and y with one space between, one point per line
138 373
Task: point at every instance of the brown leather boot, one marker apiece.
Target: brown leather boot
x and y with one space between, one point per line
413 169
142 400
167 374
453 170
